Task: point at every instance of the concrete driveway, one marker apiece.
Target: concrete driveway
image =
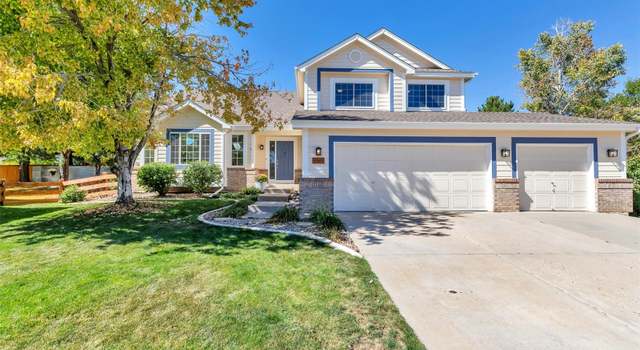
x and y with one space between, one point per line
509 280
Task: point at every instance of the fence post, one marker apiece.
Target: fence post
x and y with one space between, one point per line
2 182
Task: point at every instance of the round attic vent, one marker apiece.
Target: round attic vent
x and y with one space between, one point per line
355 56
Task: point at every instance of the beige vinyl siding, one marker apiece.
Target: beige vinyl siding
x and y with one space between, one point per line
340 59
399 92
409 57
310 86
382 88
456 95
607 167
189 118
218 148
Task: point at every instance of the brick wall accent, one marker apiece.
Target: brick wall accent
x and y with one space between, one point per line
236 179
506 195
316 193
615 195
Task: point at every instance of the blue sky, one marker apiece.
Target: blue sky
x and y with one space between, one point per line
466 35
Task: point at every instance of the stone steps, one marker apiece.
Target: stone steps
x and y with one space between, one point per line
274 197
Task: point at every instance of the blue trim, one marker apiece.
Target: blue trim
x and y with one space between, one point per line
358 70
551 140
211 132
412 139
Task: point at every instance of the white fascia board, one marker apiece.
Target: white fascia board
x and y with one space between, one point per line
359 38
443 75
409 46
326 124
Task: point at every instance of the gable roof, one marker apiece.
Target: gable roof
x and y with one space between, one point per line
408 45
201 108
354 38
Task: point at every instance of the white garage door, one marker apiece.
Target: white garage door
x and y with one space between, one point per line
555 177
411 177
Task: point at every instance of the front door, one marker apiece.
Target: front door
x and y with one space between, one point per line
281 160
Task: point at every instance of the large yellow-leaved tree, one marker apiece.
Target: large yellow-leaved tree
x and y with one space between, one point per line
89 76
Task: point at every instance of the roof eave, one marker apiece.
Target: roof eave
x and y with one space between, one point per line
344 124
356 37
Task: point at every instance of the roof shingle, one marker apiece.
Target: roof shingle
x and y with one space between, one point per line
447 117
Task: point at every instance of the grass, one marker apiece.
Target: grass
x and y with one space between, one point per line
73 276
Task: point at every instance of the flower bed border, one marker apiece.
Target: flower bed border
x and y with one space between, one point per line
332 244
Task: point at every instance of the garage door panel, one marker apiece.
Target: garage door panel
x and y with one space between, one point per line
554 177
419 178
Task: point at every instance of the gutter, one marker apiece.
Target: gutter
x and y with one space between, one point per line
342 124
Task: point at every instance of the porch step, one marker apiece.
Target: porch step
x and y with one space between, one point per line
274 197
263 210
277 190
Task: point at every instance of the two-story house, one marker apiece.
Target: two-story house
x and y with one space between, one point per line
377 124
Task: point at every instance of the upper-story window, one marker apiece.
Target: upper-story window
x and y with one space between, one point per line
350 93
426 96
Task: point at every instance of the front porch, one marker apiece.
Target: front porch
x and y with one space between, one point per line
277 154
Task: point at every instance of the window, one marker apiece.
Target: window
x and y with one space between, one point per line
149 154
354 95
237 150
188 147
425 96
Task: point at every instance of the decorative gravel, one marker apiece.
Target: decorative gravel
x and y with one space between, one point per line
301 227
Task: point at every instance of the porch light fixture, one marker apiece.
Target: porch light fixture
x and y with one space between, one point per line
318 151
505 153
612 152
261 147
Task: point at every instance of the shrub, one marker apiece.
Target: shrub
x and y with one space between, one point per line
633 172
72 194
157 177
238 209
326 220
333 234
285 214
251 191
199 176
262 178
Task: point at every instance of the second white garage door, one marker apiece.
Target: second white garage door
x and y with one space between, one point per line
556 177
411 177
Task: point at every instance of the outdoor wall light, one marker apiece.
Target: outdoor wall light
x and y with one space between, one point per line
505 153
318 151
261 147
612 152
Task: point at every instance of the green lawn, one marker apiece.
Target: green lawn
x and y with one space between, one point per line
161 279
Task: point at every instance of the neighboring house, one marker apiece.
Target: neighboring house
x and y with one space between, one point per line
380 125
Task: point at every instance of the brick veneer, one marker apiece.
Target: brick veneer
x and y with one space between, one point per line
316 193
506 195
236 179
615 195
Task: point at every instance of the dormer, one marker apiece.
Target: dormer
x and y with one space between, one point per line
379 72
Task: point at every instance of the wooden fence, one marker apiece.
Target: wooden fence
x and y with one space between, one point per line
32 192
10 173
95 186
2 184
47 192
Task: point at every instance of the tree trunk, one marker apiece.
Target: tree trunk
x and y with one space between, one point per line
68 154
125 167
24 169
97 166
